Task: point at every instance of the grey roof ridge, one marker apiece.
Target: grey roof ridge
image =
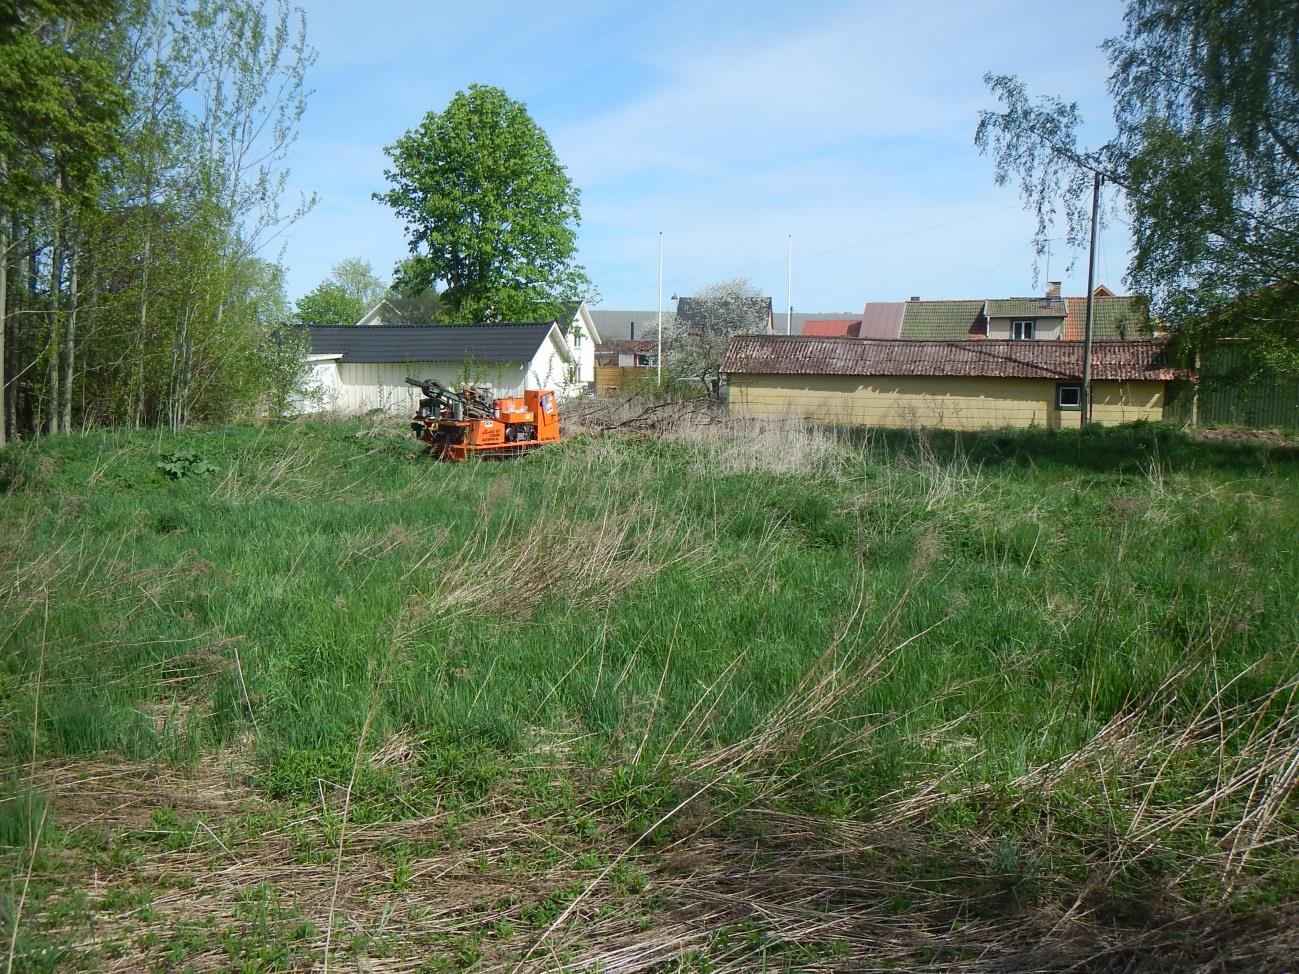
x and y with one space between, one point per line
448 324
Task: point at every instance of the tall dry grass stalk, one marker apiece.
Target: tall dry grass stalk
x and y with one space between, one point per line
33 834
588 562
758 446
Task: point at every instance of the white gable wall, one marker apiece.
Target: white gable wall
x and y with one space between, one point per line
555 367
583 344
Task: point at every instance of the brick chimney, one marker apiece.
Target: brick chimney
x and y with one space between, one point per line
1052 289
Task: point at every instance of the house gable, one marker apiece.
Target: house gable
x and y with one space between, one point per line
1049 317
375 315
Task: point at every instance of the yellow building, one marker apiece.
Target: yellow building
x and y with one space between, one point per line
949 384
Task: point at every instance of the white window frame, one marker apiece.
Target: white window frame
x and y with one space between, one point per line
1023 330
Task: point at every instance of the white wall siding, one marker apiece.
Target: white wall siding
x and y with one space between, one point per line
360 387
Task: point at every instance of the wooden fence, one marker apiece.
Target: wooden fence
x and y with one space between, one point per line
615 381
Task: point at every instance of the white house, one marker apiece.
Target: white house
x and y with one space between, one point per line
359 368
375 315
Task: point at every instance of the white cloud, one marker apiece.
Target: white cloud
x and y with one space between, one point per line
726 125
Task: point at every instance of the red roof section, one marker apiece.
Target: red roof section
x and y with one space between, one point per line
832 327
791 355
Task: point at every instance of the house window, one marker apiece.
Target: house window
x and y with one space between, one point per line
577 338
1022 331
643 360
1068 397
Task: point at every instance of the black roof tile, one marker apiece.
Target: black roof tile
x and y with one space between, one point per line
499 342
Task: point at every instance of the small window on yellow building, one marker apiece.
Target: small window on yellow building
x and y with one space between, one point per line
1068 397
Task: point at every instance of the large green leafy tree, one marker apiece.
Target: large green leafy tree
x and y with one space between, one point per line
491 216
63 102
351 289
358 278
328 303
1204 153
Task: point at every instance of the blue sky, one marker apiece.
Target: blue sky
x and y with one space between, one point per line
727 126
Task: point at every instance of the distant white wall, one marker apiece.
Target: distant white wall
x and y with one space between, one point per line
358 387
583 345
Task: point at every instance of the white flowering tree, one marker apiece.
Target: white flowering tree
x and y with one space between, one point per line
705 323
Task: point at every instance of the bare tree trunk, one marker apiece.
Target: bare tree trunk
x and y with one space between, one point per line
56 284
138 420
12 351
69 340
4 326
179 381
28 315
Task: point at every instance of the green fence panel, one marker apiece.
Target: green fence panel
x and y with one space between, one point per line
1230 394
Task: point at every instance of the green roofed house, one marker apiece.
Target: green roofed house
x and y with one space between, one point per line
1114 317
942 320
1049 317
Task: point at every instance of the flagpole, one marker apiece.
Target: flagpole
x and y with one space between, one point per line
789 289
659 357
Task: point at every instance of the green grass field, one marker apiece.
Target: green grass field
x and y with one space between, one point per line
723 698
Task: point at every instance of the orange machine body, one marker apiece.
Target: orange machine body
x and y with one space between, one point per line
517 425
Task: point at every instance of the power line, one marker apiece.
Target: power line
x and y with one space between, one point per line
964 288
824 253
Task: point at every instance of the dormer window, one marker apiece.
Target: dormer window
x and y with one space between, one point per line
1022 331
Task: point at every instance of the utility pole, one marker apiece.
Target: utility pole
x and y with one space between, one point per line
1091 287
659 358
789 289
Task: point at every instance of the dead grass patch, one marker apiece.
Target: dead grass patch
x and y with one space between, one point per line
771 891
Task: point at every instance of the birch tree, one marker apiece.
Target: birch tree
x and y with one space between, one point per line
1204 155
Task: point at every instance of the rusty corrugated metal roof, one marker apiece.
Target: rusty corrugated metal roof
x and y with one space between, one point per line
796 355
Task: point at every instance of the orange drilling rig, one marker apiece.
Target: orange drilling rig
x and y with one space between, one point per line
460 425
